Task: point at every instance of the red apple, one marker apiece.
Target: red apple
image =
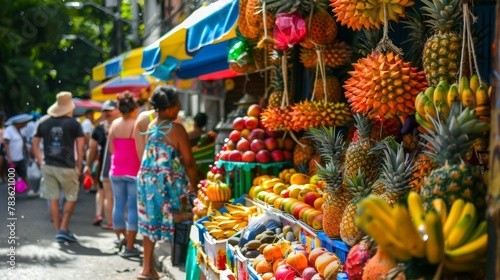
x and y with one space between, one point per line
252 123
257 133
315 253
310 197
271 143
243 145
288 155
308 273
254 110
285 193
234 156
257 145
239 123
274 133
277 155
248 156
263 156
235 136
284 272
225 155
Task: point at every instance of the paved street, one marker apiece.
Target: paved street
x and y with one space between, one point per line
38 256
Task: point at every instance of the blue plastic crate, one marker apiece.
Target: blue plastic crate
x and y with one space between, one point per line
252 274
326 242
342 276
334 245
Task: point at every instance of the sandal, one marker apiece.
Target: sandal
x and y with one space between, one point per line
108 226
97 220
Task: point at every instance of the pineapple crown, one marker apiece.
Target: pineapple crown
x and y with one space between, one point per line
331 173
417 36
331 146
444 14
455 135
363 124
277 79
397 166
359 185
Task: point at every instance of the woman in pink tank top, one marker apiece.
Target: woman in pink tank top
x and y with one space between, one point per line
123 172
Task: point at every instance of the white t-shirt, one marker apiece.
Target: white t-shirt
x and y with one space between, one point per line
87 126
15 143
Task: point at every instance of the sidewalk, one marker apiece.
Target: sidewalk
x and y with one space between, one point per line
162 256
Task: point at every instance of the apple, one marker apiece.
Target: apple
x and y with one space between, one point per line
277 155
263 156
289 144
243 145
288 155
254 110
235 136
310 197
257 133
308 273
285 193
234 155
271 143
225 155
257 145
284 272
252 123
230 145
245 132
314 254
278 133
281 143
248 156
239 123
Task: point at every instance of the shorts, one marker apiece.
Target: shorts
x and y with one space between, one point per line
55 179
21 168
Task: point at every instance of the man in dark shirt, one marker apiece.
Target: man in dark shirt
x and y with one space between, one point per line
61 134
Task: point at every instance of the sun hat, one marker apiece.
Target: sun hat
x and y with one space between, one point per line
108 105
63 106
21 118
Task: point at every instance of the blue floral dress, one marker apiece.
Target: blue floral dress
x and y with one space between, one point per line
160 182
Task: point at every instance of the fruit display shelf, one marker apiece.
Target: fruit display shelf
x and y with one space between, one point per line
242 177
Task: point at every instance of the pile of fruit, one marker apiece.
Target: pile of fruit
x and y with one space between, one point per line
222 225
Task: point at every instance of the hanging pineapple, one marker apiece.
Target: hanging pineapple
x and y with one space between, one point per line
277 83
253 19
302 153
333 89
454 178
441 58
321 28
335 55
366 14
358 187
242 23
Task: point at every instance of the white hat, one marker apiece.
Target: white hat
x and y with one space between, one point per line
63 106
21 118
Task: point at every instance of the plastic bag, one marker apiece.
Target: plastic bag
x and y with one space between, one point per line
258 225
20 186
34 172
88 182
289 30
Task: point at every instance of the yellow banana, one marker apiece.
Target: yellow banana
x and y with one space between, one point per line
474 82
429 92
468 98
482 97
406 231
227 224
430 111
452 266
471 251
464 227
464 83
453 216
443 110
229 232
217 233
453 94
385 238
440 206
373 205
434 245
417 211
440 93
481 229
420 101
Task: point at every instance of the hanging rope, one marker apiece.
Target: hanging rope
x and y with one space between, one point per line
468 42
386 44
284 70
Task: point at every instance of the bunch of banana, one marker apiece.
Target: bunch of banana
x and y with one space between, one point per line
455 238
224 225
438 100
286 174
218 191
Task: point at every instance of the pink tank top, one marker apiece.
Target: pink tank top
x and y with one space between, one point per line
124 161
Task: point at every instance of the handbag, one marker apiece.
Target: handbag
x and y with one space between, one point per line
20 186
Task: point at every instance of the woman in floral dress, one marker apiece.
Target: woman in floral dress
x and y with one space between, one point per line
166 176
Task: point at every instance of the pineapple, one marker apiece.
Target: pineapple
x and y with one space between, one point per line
290 7
384 85
442 51
276 97
253 20
396 171
366 14
306 114
454 178
333 89
331 147
243 25
358 187
321 29
358 154
335 55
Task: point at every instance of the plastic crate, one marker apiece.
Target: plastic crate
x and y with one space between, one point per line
242 265
231 257
342 276
334 245
244 172
252 274
215 251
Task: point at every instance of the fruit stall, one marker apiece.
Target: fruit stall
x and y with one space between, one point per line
367 157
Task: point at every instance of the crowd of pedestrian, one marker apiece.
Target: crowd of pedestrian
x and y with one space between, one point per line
141 163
